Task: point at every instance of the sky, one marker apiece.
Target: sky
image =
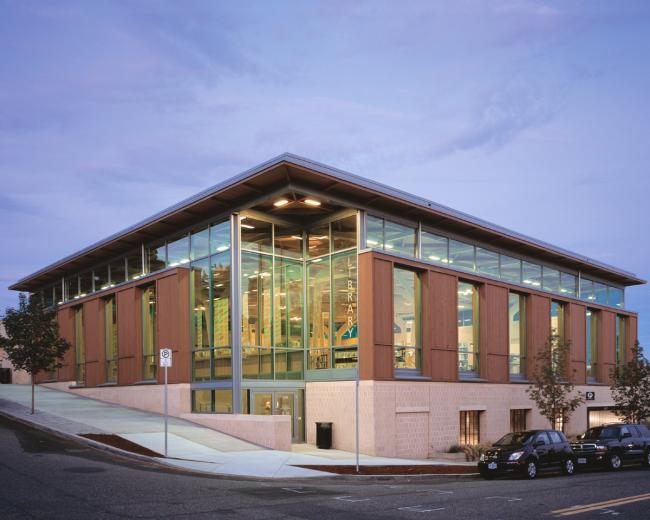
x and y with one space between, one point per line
530 114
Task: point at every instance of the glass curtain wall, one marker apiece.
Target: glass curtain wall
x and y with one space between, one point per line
110 342
149 340
80 345
209 250
517 335
406 319
620 340
468 329
332 336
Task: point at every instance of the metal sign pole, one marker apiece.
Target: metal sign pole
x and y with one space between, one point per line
165 411
357 415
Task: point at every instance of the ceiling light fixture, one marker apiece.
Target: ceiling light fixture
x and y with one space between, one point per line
280 202
312 202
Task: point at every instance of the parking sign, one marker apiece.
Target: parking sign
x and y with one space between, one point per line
165 357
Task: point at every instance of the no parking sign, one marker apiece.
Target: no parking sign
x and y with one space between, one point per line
165 357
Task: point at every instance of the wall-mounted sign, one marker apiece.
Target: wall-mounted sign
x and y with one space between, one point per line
590 396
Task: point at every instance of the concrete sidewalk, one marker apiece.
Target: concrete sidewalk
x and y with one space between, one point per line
190 446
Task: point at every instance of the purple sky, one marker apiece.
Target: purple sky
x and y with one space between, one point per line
530 114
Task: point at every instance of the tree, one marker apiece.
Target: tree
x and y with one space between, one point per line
631 387
33 343
550 388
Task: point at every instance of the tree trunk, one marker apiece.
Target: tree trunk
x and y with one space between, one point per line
32 394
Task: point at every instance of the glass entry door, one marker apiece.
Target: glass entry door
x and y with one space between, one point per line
282 402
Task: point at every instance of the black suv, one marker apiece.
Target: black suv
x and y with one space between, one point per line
613 445
527 452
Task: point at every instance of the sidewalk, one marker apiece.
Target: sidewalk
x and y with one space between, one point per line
190 446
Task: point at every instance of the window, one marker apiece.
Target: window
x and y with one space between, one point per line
615 297
344 233
100 276
543 438
568 284
587 290
178 251
487 262
200 298
531 275
202 401
200 244
470 428
256 235
555 437
557 320
72 287
510 269
550 279
468 329
374 232
149 358
620 340
221 312
344 310
591 344
435 248
117 271
517 334
406 319
80 345
134 265
288 241
85 283
461 255
399 238
518 420
600 292
318 297
156 257
220 237
319 240
110 342
390 236
559 423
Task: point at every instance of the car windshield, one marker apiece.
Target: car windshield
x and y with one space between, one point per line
604 432
512 439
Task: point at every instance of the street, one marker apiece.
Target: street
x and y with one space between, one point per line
45 477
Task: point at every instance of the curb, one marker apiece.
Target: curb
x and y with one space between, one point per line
156 462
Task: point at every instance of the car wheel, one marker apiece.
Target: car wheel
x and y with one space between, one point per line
530 470
646 459
614 462
568 467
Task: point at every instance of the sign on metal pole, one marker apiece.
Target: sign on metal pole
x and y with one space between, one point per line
165 362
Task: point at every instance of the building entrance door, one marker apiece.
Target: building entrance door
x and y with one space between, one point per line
282 402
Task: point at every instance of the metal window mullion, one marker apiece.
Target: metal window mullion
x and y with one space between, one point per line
305 312
235 316
272 306
418 241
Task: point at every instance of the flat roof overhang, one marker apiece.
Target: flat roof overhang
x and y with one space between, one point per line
294 172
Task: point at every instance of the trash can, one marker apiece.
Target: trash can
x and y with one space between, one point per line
324 435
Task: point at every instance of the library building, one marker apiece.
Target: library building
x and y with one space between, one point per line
277 288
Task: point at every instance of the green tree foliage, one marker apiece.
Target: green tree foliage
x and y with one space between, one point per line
550 388
631 388
33 343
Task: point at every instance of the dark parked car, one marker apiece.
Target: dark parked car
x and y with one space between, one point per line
613 445
525 453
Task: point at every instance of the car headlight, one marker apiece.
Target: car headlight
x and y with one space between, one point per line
482 457
601 448
516 455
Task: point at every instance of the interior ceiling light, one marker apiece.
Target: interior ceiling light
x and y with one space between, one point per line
247 226
281 202
312 202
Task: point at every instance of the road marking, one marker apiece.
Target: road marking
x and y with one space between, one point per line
607 504
441 492
419 509
509 499
610 512
350 498
297 490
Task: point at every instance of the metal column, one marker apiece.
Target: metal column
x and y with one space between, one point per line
235 311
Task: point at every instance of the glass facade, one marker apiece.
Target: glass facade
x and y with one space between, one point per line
517 335
468 329
110 339
620 340
406 319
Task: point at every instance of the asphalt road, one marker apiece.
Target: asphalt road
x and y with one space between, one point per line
45 477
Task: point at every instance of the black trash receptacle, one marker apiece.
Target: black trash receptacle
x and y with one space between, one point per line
324 435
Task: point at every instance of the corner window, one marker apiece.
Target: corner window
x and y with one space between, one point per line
390 236
468 329
406 319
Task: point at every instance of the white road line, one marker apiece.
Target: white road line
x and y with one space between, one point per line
509 499
441 492
350 498
297 490
420 509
